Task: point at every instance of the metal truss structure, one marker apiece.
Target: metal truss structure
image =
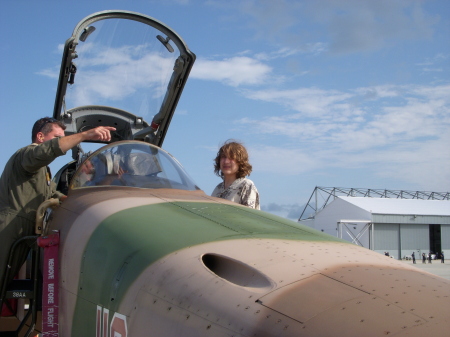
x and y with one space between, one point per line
323 195
346 226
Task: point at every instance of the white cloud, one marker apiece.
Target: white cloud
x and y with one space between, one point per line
116 74
313 102
290 211
235 71
309 48
343 26
361 25
51 73
133 78
427 163
282 160
433 63
281 53
400 136
439 70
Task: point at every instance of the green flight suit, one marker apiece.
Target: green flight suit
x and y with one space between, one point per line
25 183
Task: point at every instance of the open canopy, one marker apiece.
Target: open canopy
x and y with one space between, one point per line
120 69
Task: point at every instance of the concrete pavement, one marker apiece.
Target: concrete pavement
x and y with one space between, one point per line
436 268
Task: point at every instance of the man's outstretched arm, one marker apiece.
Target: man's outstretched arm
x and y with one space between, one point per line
100 133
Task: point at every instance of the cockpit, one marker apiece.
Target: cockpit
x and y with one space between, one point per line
131 164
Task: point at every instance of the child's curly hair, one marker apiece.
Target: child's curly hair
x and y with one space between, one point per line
236 151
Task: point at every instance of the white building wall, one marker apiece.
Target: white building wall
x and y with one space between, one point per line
337 210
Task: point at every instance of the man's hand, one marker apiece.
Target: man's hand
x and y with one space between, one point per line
102 133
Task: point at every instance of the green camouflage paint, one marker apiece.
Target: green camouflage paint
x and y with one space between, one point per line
126 243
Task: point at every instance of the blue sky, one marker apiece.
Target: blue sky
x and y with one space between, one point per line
348 93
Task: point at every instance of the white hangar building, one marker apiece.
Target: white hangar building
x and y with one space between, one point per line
384 221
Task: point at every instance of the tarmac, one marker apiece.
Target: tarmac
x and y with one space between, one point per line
436 267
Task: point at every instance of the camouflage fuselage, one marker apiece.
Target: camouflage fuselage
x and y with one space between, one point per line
180 263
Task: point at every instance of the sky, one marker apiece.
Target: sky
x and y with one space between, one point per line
332 93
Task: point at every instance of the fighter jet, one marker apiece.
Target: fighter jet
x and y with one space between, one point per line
143 251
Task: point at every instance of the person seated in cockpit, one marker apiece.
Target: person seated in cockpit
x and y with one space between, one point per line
132 169
99 171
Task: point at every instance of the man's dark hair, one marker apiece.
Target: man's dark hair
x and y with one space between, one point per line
45 125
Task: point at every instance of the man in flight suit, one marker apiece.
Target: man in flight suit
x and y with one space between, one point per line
26 182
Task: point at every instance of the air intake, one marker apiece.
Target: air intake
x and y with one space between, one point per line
236 272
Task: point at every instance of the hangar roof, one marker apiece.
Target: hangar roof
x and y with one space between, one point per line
400 206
